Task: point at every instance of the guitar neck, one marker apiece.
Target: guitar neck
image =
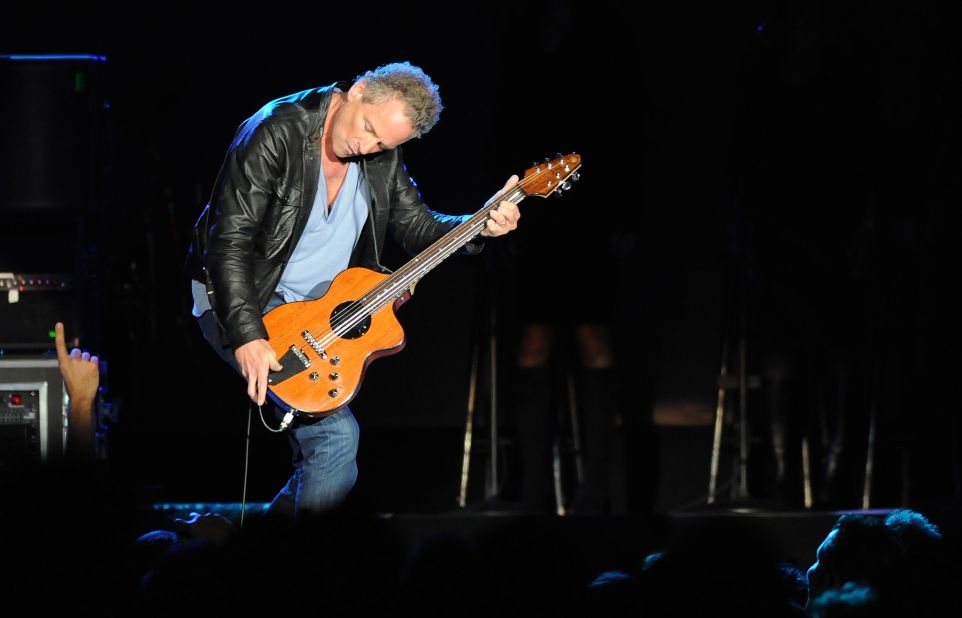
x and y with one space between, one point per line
409 274
541 180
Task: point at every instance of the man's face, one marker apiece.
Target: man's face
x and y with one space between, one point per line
818 576
360 128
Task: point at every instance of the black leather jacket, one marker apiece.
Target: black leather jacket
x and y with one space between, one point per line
262 199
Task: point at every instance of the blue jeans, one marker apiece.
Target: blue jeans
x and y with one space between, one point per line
325 464
325 450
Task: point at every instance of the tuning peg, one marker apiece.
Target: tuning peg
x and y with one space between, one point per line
557 193
575 176
566 185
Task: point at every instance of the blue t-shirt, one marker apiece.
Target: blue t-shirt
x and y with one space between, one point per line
324 248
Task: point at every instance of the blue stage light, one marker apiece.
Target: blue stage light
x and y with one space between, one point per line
54 57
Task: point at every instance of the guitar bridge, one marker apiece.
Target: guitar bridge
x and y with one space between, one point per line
293 363
301 357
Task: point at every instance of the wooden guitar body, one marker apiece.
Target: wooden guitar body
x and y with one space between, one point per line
329 380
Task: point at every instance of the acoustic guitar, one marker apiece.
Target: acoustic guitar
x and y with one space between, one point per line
324 345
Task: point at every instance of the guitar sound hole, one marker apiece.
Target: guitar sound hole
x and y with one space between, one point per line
358 330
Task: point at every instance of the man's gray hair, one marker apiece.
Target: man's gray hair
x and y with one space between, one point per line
404 81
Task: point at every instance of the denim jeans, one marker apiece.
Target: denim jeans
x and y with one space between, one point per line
324 450
325 464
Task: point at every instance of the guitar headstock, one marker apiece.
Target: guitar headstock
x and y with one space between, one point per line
553 176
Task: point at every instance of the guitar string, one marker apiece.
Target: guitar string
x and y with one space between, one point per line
403 275
389 289
441 254
375 298
385 291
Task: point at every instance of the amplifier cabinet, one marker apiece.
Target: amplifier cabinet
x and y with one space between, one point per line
33 411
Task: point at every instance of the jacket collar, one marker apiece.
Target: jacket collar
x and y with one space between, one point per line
317 103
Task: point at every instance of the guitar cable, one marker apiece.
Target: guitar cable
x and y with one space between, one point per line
247 452
285 423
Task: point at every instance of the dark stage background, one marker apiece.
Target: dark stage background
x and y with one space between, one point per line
793 163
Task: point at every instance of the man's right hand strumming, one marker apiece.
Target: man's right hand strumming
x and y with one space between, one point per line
256 359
